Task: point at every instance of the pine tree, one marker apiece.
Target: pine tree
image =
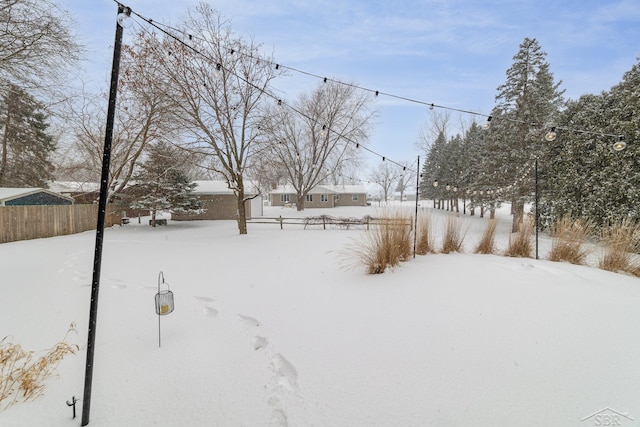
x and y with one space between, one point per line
25 145
163 184
526 107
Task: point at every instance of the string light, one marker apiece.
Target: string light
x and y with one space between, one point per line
486 125
551 135
618 146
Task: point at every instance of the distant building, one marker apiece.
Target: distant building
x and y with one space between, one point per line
32 196
221 203
321 196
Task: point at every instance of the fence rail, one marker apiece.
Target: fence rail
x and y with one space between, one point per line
34 222
329 221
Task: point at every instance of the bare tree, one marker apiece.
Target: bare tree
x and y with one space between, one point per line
385 175
319 135
406 179
142 118
438 124
36 46
219 85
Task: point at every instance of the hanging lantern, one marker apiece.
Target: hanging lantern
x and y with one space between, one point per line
164 302
164 297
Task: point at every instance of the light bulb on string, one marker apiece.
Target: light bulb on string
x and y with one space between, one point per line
486 125
551 135
620 144
124 18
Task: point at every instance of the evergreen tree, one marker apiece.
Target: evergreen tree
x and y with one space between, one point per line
585 177
163 184
25 145
526 107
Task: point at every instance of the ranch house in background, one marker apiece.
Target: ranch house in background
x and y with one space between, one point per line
321 196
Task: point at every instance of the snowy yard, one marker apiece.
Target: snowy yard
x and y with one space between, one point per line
270 329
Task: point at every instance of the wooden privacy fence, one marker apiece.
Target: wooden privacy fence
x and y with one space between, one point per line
330 221
34 222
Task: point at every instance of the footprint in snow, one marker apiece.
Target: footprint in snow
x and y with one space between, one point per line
286 373
259 342
249 321
278 419
207 308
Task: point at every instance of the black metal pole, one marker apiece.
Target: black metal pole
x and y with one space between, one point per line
102 208
415 226
537 226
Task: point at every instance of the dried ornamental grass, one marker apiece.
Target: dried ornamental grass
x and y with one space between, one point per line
568 240
487 244
520 245
620 243
22 377
383 245
453 236
425 236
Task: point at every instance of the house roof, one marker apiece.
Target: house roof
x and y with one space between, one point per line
74 187
220 187
323 189
7 194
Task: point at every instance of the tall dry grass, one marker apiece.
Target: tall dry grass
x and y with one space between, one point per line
568 240
520 245
453 235
487 243
21 376
425 239
620 245
384 245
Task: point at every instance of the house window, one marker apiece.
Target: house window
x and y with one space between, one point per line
284 198
354 197
309 198
324 198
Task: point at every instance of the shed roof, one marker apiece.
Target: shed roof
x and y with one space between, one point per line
323 189
8 194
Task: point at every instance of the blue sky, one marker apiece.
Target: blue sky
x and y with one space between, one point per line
450 52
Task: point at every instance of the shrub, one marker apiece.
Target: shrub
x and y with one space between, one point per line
520 243
453 236
569 237
487 243
425 236
22 377
620 242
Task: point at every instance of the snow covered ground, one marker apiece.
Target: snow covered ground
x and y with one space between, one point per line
269 329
